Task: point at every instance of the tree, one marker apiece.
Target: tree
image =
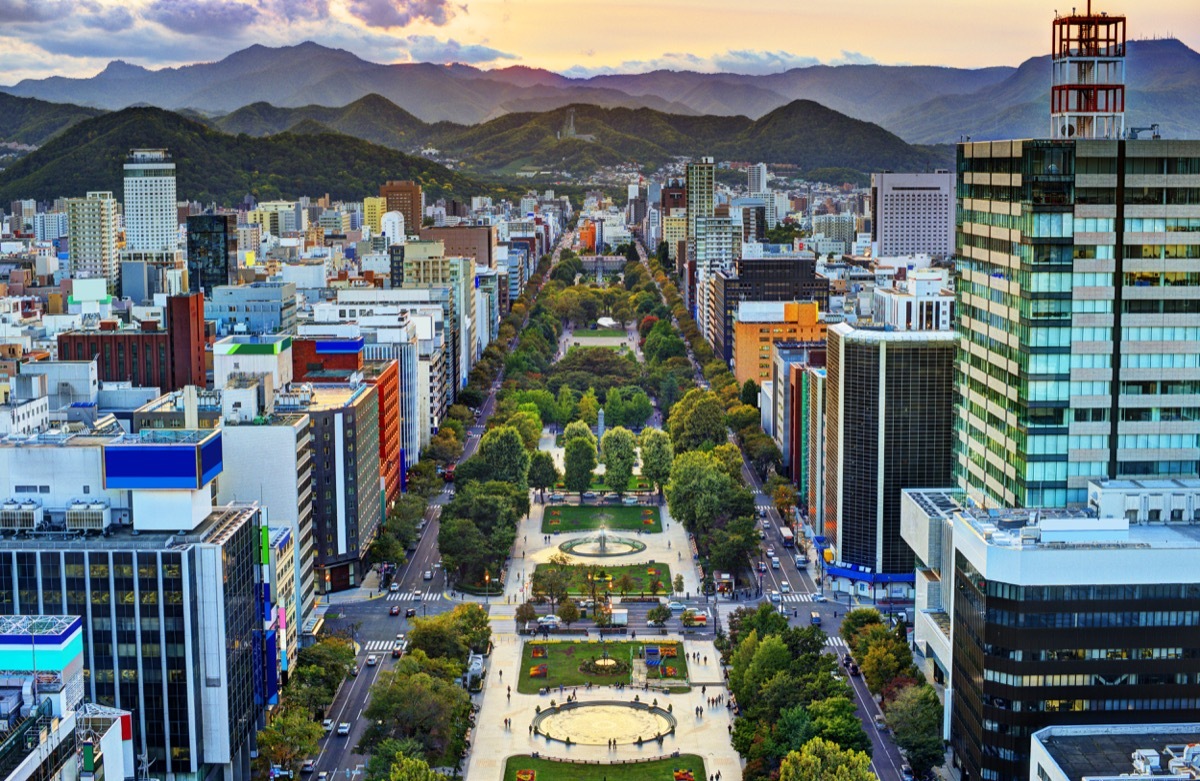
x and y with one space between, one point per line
620 454
835 720
749 394
785 497
579 461
638 409
915 717
405 768
445 446
471 622
697 421
659 614
503 451
678 584
566 405
656 585
526 612
657 455
418 705
543 473
880 666
855 620
290 736
529 425
623 584
823 760
438 637
589 407
577 429
568 612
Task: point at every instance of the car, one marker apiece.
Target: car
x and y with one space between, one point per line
676 606
550 621
818 598
417 596
327 724
308 766
801 562
612 499
847 660
629 501
770 550
372 660
785 587
323 775
344 728
880 722
397 650
354 670
761 512
556 497
762 535
399 637
410 612
906 772
767 525
394 587
438 565
853 670
589 494
428 574
394 610
775 597
762 566
774 562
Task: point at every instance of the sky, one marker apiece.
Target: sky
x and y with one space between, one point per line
40 38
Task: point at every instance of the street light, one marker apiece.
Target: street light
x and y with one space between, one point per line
487 582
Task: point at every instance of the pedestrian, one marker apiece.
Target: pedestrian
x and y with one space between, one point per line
502 675
718 775
731 729
705 661
530 729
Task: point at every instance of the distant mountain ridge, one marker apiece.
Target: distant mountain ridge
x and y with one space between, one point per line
922 104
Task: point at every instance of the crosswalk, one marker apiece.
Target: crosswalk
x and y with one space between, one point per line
409 596
835 642
796 597
377 646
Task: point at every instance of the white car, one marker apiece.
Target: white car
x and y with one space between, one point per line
818 598
328 725
770 550
550 621
372 660
785 587
775 596
428 574
676 606
344 728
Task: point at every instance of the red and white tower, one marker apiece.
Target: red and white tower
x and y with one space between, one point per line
1087 99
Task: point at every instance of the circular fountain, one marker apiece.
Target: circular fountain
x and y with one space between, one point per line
602 545
596 723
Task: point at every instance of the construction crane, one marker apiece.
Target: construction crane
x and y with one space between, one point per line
1132 133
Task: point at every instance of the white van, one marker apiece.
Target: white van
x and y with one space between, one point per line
774 562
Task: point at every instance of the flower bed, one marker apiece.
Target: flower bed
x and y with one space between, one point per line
539 652
539 671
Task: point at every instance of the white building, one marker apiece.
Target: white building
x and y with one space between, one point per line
151 221
1116 752
756 179
912 213
920 302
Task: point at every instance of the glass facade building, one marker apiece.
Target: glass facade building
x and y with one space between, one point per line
212 250
1078 298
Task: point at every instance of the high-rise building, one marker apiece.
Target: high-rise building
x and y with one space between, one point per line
151 221
92 228
912 214
1078 329
212 252
673 195
373 211
407 198
469 241
775 278
758 325
701 192
889 425
756 178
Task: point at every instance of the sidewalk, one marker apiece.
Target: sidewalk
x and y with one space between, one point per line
364 593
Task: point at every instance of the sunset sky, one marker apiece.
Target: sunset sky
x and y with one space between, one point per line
40 38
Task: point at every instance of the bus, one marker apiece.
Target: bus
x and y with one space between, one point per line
789 539
448 474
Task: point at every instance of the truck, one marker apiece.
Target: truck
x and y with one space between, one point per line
448 473
620 617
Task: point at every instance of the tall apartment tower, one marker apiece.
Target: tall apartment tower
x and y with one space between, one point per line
756 178
701 192
92 228
912 214
889 425
151 220
1087 99
405 197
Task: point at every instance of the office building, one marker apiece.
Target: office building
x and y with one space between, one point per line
49 732
912 214
673 195
212 252
167 585
701 192
151 221
405 197
257 308
467 241
769 278
918 302
146 354
92 226
1069 376
889 425
1055 617
758 325
811 488
1112 751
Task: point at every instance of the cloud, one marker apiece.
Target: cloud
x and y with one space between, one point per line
759 62
110 20
401 13
853 58
18 11
292 11
426 48
202 17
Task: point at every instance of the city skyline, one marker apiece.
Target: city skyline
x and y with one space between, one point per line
41 40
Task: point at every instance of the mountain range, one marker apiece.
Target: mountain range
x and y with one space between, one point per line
921 104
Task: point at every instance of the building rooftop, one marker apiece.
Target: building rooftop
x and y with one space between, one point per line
1107 752
215 528
37 625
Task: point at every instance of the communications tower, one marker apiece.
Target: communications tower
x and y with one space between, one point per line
1087 99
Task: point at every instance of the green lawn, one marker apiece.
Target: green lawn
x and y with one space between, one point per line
585 517
659 770
562 662
638 573
600 333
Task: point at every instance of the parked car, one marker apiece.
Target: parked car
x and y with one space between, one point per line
630 501
354 671
344 728
550 621
556 497
308 766
676 606
323 775
394 610
327 724
880 722
589 494
906 772
762 566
